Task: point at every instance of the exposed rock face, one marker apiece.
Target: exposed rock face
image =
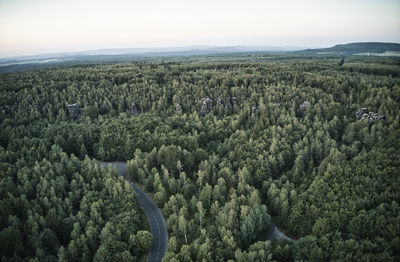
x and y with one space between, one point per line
6 109
178 109
255 111
134 109
74 111
235 100
363 113
205 105
224 102
304 105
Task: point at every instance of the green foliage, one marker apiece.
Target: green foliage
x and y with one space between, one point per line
66 208
329 180
144 240
92 112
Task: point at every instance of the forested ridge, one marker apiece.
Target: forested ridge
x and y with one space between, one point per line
283 141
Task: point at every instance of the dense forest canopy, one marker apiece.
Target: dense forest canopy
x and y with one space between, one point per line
311 141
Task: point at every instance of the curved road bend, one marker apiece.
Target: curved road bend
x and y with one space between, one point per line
275 233
153 213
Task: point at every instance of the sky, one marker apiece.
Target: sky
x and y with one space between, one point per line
47 26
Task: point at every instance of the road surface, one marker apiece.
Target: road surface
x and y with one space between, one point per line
154 215
157 221
275 233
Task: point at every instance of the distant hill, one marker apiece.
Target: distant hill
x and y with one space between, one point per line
87 56
161 51
364 48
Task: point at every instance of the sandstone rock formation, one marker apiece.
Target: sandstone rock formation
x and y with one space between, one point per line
224 102
363 113
255 111
205 105
304 105
74 111
134 109
178 109
6 109
235 100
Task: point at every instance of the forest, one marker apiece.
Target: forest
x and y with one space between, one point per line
223 145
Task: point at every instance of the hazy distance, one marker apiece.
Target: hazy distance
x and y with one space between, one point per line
45 26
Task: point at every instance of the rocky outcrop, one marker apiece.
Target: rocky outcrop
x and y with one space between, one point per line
178 109
204 105
255 111
224 102
74 111
363 113
134 109
235 100
304 105
6 109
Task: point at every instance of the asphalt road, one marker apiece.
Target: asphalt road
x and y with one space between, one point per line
154 215
157 221
275 233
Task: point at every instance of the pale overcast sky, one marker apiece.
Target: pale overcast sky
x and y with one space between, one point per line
38 26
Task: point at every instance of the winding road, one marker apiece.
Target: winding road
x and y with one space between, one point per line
157 221
153 213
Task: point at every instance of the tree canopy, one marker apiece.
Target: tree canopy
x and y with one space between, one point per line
279 138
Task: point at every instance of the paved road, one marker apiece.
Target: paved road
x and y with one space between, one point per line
154 215
157 221
275 233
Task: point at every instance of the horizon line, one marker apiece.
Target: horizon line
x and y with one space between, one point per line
159 49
